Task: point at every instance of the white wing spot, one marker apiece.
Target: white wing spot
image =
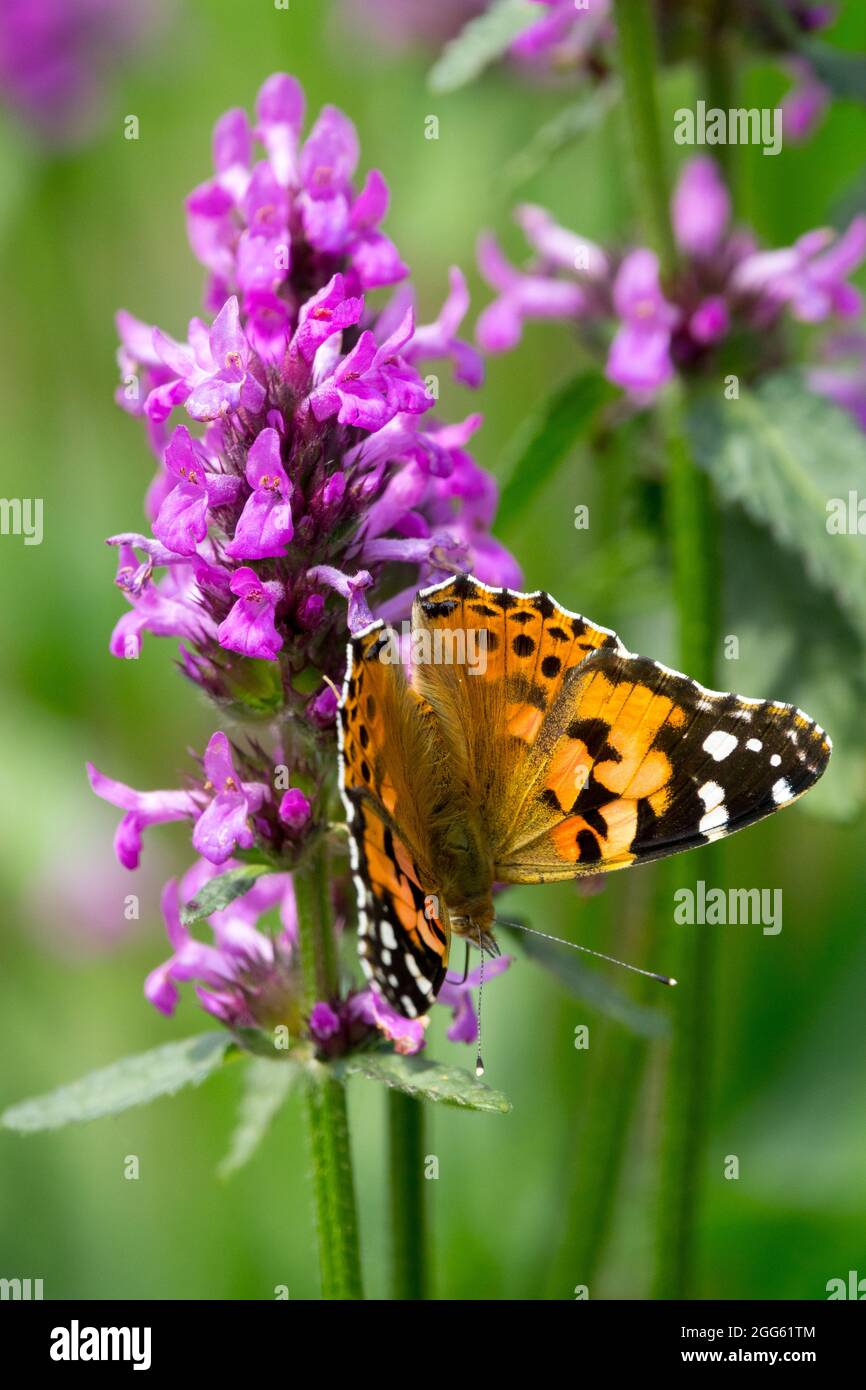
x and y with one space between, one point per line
713 797
754 745
719 745
782 792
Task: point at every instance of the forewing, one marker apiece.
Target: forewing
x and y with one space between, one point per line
492 667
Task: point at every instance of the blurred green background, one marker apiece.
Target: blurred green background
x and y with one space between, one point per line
103 228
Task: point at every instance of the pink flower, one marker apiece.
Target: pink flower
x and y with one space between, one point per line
639 357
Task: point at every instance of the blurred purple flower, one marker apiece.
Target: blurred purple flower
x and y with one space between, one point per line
58 57
724 283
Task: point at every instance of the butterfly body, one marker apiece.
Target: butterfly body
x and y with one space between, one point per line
560 754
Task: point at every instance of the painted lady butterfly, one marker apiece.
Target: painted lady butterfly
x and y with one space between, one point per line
557 753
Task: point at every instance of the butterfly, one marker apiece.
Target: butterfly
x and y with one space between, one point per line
527 745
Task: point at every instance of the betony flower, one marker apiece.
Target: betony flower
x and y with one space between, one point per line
312 470
181 523
250 628
265 524
141 809
457 995
639 357
724 282
294 809
351 587
224 824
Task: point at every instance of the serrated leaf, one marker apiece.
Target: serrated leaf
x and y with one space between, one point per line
480 43
795 646
782 453
591 987
131 1081
266 1087
217 893
547 438
568 126
427 1080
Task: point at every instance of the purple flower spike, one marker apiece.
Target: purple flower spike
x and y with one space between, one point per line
639 357
701 208
265 525
249 627
142 809
224 825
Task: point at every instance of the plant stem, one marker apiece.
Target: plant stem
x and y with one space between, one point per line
691 517
693 531
598 1150
717 70
637 48
409 1252
327 1118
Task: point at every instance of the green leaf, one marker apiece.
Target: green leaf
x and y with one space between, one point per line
266 1087
568 126
844 73
217 893
547 438
591 987
480 43
783 453
132 1081
793 645
426 1079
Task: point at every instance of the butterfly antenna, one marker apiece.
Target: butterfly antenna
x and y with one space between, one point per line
479 1060
576 946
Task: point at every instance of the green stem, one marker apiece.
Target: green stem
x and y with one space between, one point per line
598 1150
327 1118
693 531
717 65
409 1251
691 516
637 48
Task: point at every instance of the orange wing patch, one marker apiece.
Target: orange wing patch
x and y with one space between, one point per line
403 931
651 763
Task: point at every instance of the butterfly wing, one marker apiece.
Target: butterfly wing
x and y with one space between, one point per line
389 760
641 762
582 757
494 664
